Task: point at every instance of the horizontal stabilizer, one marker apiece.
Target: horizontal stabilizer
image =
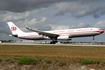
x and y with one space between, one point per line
11 35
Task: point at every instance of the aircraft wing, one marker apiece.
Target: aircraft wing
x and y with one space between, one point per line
44 33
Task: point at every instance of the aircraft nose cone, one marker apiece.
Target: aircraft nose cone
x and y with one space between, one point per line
101 31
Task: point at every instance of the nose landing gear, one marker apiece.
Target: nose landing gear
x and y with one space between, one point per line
93 37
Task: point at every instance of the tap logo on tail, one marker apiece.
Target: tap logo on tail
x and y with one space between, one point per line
13 28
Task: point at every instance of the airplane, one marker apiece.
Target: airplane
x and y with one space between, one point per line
53 35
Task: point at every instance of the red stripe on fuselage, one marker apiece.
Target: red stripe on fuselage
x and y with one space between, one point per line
29 36
79 32
65 33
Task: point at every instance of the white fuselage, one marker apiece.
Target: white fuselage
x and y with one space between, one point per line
64 34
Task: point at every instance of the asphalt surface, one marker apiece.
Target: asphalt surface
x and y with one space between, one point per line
52 44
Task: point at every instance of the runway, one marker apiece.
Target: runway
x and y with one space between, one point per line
52 44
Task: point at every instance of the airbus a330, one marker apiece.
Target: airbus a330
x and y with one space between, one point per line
54 35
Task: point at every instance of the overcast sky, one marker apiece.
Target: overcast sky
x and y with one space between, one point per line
52 15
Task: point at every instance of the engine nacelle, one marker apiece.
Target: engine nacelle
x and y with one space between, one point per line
64 38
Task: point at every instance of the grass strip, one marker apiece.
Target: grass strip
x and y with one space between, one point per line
90 62
27 61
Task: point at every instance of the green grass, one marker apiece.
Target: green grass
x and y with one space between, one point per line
27 61
8 60
0 60
56 61
90 62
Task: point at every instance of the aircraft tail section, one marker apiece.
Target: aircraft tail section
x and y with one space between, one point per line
14 29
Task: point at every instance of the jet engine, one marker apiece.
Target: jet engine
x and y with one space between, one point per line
64 38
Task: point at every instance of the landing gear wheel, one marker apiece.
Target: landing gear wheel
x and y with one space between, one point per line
93 38
53 42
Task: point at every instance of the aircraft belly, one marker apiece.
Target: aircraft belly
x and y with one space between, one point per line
84 34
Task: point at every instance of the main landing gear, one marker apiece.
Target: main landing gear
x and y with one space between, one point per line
53 42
